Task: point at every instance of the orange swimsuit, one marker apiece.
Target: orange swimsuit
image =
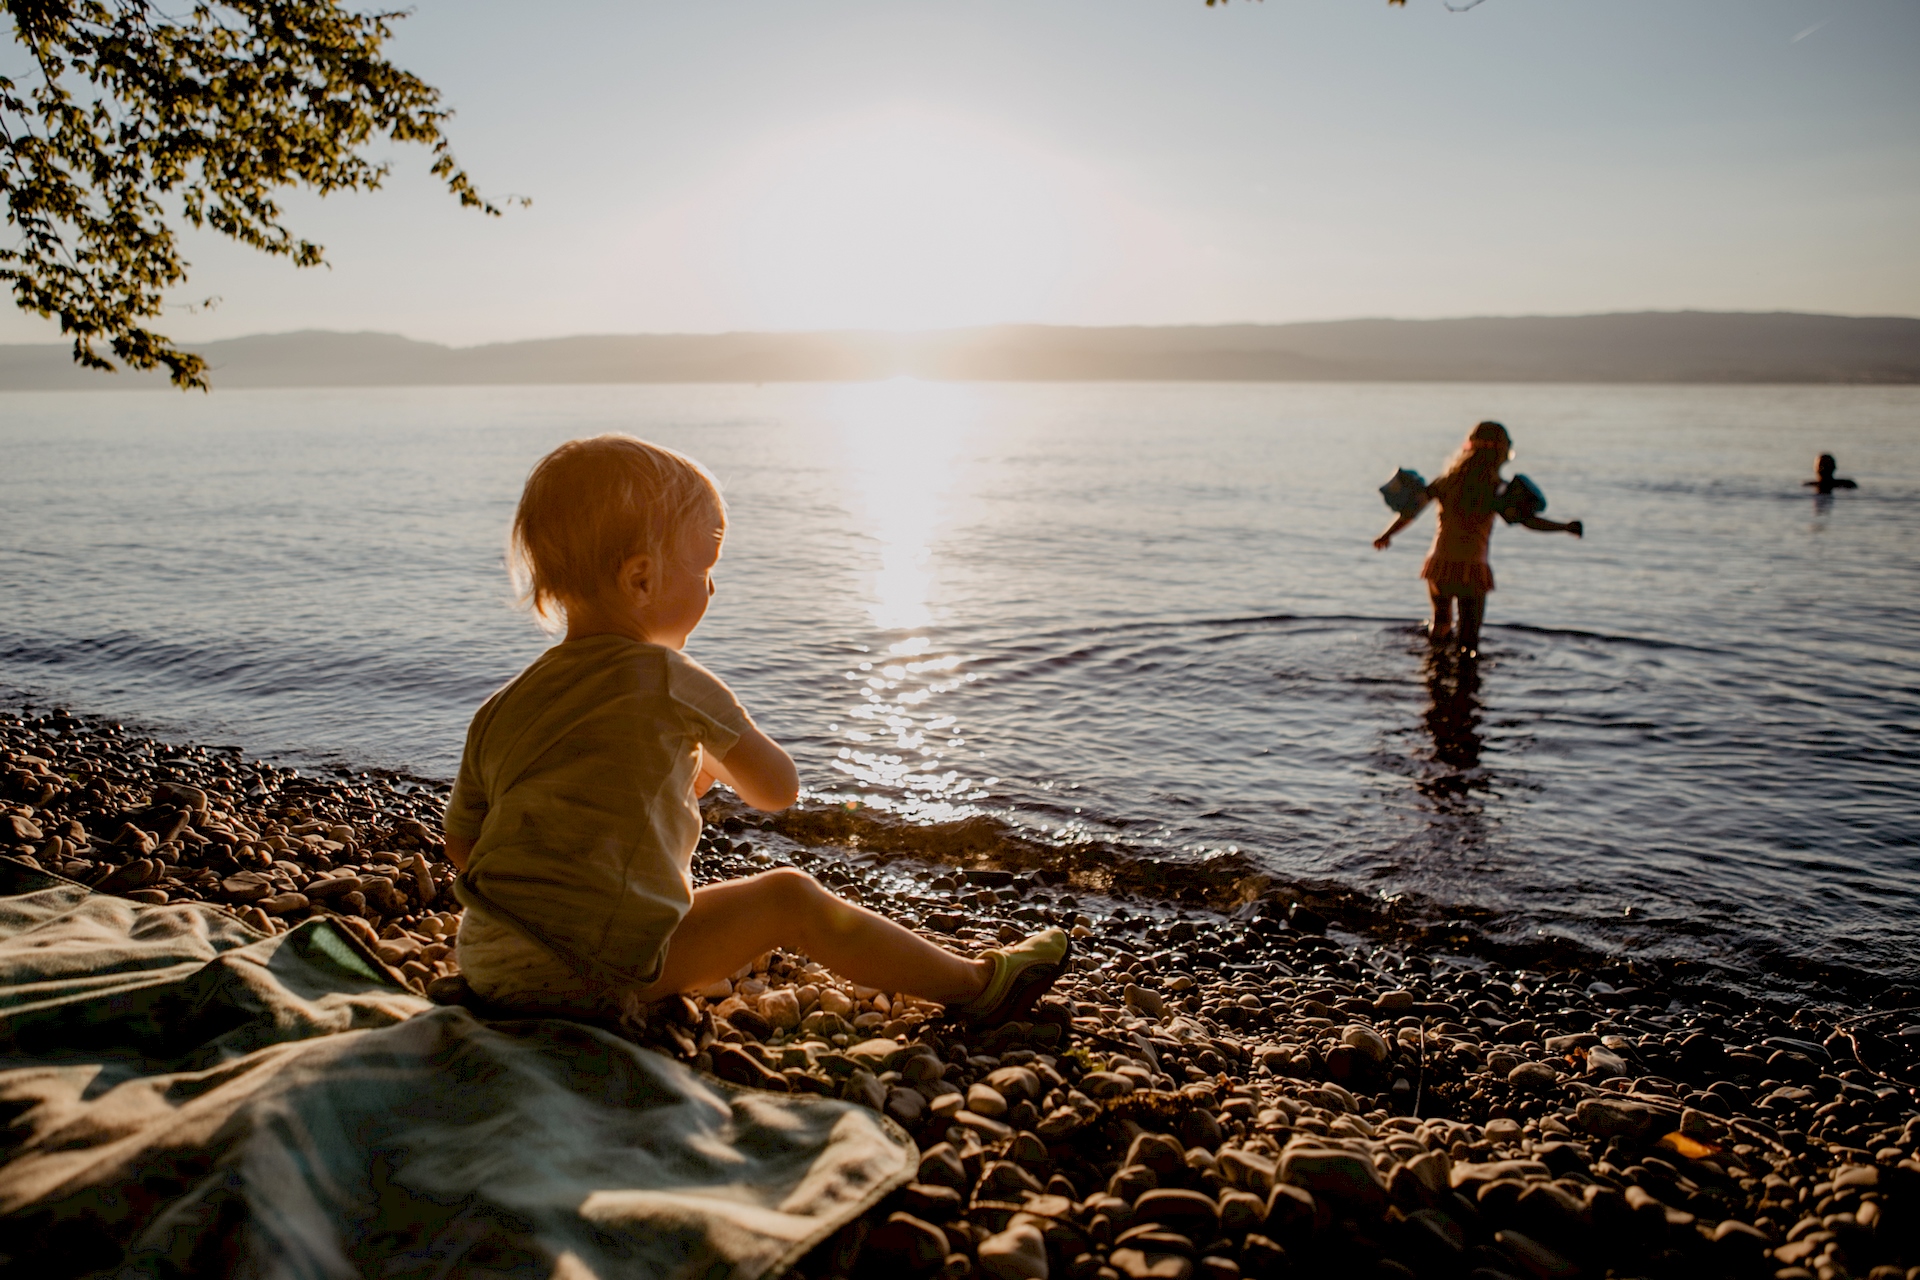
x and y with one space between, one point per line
1457 563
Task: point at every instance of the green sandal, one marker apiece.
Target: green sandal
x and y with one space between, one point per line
1022 973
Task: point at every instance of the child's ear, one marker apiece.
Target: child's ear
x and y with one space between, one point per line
636 578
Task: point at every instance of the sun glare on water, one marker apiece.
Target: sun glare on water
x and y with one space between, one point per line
904 439
905 445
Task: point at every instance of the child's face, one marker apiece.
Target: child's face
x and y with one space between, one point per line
677 603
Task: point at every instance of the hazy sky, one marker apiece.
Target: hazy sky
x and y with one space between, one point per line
745 164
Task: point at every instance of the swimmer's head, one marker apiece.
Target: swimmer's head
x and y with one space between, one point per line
1825 467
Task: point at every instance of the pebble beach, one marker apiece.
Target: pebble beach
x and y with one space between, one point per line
1237 1078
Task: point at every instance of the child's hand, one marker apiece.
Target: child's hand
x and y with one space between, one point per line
1382 542
759 772
1575 528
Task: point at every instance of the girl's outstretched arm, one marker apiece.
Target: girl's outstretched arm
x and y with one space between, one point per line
1381 543
1545 525
758 770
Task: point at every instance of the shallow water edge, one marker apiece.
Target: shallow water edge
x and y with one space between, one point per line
1147 892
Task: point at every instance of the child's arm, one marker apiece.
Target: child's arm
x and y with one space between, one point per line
1545 525
1381 543
758 770
1404 519
459 849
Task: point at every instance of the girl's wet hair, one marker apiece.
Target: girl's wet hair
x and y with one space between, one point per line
592 504
1485 449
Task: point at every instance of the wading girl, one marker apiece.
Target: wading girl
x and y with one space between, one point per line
1470 494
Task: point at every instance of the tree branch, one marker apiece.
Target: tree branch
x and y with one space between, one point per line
217 108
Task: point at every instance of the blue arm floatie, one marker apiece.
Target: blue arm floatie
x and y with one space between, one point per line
1406 492
1521 499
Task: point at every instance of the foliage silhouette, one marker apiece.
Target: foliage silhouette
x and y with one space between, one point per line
134 119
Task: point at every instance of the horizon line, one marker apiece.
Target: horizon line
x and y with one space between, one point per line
1003 324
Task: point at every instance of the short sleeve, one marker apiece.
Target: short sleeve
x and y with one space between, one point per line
715 715
467 806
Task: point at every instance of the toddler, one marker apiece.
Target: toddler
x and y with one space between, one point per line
575 814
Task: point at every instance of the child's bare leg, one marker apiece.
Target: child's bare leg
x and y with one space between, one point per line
732 922
1473 610
1442 624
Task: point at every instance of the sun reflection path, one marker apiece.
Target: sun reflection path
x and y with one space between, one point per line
905 445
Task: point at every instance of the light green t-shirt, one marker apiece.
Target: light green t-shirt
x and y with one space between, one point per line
577 788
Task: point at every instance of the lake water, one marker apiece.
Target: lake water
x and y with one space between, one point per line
1146 614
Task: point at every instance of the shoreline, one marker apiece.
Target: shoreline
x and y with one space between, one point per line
1230 883
1218 882
1219 1087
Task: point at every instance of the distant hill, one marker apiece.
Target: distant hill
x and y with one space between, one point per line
1685 346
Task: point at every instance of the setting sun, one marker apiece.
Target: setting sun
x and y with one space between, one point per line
901 219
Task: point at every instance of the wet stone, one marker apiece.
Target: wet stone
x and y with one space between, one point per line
1137 1264
1262 1258
984 1129
933 1203
1015 1084
909 1243
1028 1151
1365 1041
1018 1253
1537 1076
1131 1182
1193 1214
1345 1177
1610 1118
1005 1180
749 1023
940 1166
737 1066
1245 1169
1158 1152
906 1107
1157 1237
1291 1212
1213 1267
781 1008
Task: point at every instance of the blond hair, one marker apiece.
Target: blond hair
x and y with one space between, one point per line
1471 478
1481 454
592 504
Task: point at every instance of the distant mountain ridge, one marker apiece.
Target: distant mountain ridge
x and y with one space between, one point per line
1647 347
